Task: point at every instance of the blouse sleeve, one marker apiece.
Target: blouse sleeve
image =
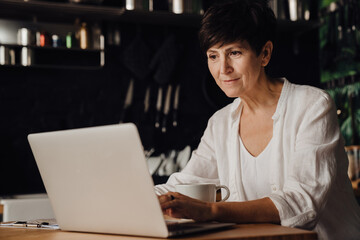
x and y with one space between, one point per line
202 166
311 167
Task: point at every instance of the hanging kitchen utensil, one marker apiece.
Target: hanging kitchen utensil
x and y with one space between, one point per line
166 108
176 106
136 58
128 101
158 108
147 101
163 65
145 124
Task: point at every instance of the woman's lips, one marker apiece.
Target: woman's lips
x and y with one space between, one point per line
230 81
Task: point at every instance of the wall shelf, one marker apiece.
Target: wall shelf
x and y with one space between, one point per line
53 67
46 11
54 12
58 57
60 48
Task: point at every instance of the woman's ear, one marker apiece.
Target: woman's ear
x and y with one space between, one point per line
266 53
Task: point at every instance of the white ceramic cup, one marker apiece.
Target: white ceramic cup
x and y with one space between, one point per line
202 191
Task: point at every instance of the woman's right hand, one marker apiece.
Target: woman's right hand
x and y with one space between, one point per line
178 205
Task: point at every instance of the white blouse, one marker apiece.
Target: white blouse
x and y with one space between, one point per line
308 180
254 174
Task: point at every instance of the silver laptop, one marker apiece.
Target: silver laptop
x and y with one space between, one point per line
97 180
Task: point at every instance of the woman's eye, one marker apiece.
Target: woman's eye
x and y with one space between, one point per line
212 57
235 53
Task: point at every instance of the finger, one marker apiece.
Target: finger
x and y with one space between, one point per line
172 213
162 198
182 196
168 204
172 204
166 197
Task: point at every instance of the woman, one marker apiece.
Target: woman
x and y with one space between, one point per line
277 146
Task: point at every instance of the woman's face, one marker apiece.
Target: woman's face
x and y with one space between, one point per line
235 67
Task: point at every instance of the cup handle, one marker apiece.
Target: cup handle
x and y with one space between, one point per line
227 192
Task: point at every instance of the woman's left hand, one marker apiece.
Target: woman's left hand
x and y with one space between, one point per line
177 205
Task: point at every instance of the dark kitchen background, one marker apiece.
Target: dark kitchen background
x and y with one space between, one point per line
77 63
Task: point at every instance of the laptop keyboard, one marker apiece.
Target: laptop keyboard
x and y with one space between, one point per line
173 226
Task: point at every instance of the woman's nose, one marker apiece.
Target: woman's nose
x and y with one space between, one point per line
225 66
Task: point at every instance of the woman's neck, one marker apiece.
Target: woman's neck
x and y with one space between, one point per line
263 97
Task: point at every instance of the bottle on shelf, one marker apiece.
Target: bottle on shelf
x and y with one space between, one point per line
26 56
146 5
56 42
44 39
24 36
178 6
130 4
84 36
24 39
4 55
69 40
12 57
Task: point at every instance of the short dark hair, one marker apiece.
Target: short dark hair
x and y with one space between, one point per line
237 20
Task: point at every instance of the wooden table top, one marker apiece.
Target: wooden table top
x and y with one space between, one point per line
241 231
